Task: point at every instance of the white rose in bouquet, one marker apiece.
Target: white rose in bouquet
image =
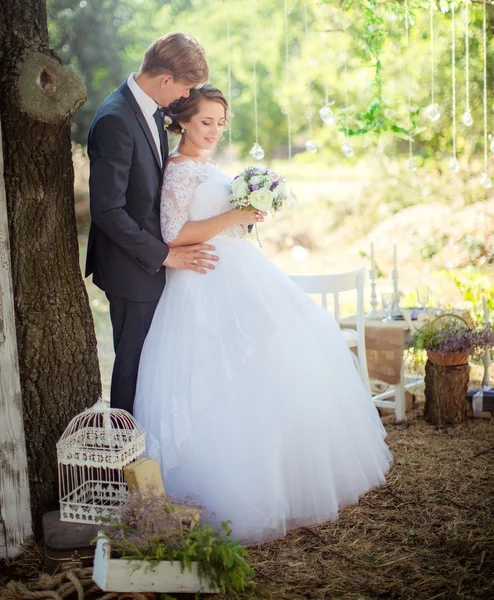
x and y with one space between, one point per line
262 189
261 199
240 188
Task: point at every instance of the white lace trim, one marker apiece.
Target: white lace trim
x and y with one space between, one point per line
179 183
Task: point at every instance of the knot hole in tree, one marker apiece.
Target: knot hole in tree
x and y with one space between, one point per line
41 76
48 82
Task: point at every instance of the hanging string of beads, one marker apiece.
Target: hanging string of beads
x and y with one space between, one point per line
454 165
411 164
432 111
229 74
467 119
310 145
485 180
326 112
347 148
257 151
287 81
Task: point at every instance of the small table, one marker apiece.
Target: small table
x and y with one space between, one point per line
385 342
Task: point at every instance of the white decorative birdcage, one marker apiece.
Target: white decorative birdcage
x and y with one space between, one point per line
92 452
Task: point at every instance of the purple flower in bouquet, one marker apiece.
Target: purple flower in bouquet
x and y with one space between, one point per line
260 188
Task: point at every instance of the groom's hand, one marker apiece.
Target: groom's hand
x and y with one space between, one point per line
195 258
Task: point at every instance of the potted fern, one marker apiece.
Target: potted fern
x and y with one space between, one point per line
148 547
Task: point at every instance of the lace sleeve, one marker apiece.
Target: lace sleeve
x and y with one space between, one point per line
179 182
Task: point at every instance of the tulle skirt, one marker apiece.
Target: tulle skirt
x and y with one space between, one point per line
251 401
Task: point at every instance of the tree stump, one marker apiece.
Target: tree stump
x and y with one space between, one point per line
445 394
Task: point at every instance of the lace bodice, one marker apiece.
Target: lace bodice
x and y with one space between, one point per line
193 191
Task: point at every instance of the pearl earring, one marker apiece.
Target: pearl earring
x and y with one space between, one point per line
182 130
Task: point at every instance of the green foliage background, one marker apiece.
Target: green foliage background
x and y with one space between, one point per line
105 39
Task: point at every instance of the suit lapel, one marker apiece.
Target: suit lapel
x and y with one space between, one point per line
129 96
149 136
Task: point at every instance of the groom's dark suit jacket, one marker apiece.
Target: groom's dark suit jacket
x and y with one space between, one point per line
125 248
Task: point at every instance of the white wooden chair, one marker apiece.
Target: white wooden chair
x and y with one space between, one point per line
335 284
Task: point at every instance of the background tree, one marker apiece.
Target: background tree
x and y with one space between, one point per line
95 37
56 341
104 41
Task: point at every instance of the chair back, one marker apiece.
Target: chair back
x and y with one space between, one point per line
334 284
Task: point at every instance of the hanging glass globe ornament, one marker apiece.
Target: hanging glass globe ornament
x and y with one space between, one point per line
411 164
444 6
347 150
467 119
485 181
432 112
327 115
257 151
454 165
491 145
310 146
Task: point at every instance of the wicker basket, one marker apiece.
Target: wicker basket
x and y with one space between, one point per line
448 359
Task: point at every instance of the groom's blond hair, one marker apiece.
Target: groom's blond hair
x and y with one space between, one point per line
179 55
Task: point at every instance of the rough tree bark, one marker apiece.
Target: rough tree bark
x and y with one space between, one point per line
445 394
55 333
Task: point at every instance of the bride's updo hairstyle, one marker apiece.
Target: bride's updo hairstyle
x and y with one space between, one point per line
183 109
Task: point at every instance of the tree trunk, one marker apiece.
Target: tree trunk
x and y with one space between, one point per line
445 394
55 333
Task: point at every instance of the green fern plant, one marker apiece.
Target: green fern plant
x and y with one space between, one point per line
149 529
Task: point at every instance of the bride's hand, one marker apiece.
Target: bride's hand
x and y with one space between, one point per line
247 216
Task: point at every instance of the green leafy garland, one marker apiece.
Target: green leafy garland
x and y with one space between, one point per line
376 119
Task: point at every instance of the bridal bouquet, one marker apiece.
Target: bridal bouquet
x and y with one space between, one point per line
259 188
262 189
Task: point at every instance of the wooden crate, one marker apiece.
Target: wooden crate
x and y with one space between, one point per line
120 575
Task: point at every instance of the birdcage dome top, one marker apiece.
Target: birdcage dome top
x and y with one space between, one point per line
101 415
101 435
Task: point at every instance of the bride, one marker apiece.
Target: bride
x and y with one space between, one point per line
246 389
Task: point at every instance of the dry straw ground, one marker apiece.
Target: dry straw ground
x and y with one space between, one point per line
427 534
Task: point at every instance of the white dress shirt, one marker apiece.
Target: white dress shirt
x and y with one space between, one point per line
148 107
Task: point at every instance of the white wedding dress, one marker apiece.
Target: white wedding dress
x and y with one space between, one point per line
246 390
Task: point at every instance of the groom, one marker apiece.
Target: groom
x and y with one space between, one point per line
127 147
